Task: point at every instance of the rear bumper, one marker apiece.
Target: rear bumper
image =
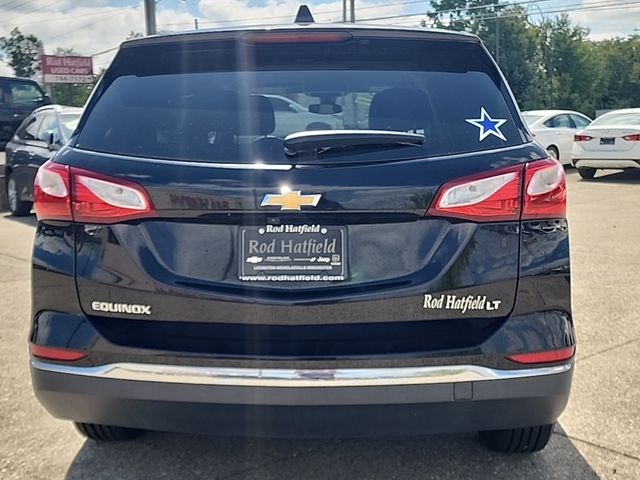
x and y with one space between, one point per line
351 402
605 163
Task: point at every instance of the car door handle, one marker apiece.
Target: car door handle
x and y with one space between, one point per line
16 115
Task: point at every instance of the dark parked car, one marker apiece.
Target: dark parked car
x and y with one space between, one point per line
406 272
41 134
18 98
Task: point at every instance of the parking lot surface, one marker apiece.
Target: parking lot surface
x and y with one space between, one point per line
597 437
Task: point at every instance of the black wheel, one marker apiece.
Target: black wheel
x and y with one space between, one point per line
17 207
553 152
518 440
587 173
106 433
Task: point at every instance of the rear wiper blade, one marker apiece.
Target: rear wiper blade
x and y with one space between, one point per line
322 140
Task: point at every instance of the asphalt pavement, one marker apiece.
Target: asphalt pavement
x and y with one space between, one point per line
597 437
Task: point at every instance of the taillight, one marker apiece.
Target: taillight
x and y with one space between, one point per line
582 138
546 356
491 196
51 192
56 353
102 199
69 193
498 195
545 192
635 137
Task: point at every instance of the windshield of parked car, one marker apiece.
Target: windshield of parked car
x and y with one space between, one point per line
613 119
204 109
68 123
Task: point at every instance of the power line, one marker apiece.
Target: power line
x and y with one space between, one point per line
598 5
42 7
580 6
567 8
104 51
67 18
629 5
380 5
370 7
13 1
119 12
457 10
555 10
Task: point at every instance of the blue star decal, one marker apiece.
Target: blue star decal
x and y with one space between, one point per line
487 125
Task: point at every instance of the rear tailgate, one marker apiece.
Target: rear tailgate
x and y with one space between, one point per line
392 253
224 244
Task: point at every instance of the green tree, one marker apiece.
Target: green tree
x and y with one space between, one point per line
462 15
548 65
514 43
618 72
509 36
72 94
22 52
568 67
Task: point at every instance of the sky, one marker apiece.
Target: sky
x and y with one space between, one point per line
92 27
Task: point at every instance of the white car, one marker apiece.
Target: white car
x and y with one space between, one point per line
290 115
612 141
554 130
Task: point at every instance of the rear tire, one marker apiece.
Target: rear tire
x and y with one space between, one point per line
587 173
553 153
518 440
107 433
17 207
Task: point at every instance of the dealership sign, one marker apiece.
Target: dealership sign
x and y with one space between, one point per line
67 69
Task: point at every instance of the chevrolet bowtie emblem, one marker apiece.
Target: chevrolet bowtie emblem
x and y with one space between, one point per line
290 200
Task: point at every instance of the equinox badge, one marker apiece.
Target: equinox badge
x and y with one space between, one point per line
111 307
290 200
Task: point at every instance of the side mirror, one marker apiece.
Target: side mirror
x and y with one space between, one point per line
46 100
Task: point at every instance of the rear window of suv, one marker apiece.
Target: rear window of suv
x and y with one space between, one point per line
232 101
25 93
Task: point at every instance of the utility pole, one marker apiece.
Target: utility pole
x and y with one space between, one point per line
195 22
150 16
344 11
352 5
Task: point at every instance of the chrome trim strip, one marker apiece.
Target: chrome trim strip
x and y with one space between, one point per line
281 166
277 377
233 166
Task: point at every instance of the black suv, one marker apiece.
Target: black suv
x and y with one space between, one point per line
41 134
18 98
406 272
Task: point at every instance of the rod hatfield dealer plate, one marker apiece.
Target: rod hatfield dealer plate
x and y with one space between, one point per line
293 253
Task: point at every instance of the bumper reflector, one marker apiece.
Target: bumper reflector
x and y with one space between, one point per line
544 357
56 353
